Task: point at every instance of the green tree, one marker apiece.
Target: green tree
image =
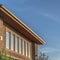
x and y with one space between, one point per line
3 56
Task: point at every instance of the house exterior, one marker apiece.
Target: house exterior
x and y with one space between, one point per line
16 38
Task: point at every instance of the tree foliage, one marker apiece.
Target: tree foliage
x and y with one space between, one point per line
3 56
43 57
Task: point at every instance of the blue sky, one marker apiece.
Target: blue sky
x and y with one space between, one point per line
43 17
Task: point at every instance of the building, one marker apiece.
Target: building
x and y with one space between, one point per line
16 38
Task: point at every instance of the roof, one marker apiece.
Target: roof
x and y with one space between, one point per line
19 26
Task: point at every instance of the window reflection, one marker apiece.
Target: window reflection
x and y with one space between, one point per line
7 39
12 41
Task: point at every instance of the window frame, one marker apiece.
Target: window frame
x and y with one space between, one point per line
12 43
8 44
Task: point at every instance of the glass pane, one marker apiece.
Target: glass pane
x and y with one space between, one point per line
7 39
26 49
23 47
12 42
29 51
16 44
20 46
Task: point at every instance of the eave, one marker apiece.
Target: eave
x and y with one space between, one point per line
19 26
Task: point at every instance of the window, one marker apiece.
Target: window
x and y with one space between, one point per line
29 50
16 44
12 41
22 47
7 40
19 46
26 49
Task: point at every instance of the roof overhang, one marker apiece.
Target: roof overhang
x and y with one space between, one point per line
19 26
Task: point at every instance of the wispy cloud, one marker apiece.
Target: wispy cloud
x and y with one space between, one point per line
49 50
50 16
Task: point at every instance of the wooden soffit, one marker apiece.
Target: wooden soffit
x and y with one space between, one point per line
19 26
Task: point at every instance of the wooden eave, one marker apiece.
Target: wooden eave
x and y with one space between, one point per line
19 26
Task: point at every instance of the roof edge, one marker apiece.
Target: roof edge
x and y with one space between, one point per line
24 25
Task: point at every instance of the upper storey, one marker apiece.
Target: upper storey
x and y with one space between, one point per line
18 25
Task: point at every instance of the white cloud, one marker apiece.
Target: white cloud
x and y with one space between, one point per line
52 16
49 50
